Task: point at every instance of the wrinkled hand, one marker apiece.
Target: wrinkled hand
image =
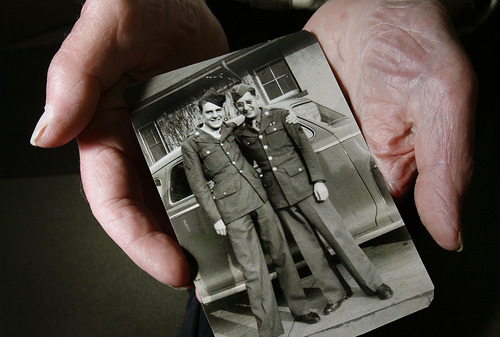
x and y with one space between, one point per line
413 91
320 191
113 44
220 227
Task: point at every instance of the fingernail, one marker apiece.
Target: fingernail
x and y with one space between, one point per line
460 242
42 124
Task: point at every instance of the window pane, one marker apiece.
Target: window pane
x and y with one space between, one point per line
309 133
308 110
153 142
179 186
329 116
287 83
265 75
148 133
158 151
272 90
279 68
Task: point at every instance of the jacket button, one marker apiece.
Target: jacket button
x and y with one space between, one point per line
275 168
261 136
265 147
270 157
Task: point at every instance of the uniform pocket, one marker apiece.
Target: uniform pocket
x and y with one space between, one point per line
223 191
248 141
294 169
277 136
212 157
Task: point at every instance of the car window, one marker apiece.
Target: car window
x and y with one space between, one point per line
308 131
317 112
179 186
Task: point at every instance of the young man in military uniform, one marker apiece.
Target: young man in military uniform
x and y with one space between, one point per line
211 153
295 185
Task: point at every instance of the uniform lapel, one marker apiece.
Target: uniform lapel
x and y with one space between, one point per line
265 120
246 130
224 132
201 136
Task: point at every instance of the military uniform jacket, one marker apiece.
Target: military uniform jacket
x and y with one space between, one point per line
284 154
237 190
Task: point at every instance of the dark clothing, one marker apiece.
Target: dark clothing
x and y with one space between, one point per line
248 252
290 167
238 198
325 219
206 158
281 158
195 321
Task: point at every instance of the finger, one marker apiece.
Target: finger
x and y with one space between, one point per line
123 198
317 195
111 38
443 151
82 68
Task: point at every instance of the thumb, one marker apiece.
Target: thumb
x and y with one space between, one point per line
82 68
443 152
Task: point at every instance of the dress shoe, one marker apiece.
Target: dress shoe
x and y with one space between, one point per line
384 292
309 318
331 307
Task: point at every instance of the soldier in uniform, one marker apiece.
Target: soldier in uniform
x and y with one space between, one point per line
295 185
238 197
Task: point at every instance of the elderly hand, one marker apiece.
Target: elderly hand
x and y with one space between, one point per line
413 92
113 44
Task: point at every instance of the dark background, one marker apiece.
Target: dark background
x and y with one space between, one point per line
60 275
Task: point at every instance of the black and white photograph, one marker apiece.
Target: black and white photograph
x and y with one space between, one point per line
271 188
386 93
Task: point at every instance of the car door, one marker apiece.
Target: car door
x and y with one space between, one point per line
218 269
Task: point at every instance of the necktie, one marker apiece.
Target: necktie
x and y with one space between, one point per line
255 124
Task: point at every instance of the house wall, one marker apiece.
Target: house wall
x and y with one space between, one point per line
307 65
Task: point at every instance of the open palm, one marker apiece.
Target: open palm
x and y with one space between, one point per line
412 90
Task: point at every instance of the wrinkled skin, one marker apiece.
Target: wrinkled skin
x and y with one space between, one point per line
410 84
413 92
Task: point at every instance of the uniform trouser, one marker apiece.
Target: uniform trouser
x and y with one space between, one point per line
325 219
274 242
248 252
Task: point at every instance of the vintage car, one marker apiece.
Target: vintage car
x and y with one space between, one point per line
356 188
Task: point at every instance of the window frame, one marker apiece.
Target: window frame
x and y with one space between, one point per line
261 85
148 146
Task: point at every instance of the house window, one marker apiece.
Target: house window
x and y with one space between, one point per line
276 79
153 142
